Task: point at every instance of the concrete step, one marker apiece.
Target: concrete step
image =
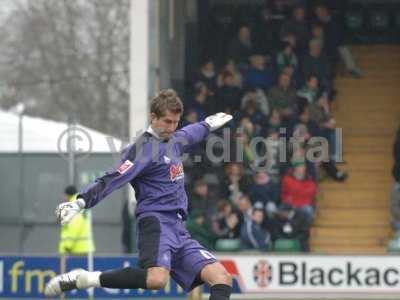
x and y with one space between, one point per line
353 203
340 249
348 242
350 185
352 217
350 232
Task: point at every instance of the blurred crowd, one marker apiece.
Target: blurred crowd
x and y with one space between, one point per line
275 75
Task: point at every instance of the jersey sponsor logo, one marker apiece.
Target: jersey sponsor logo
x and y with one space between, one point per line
167 160
176 172
125 167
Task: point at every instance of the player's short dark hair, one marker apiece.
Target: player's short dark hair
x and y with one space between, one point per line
70 190
166 100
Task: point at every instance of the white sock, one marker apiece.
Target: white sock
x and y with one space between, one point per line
88 279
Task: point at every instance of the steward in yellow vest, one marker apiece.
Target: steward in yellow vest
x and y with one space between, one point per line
76 236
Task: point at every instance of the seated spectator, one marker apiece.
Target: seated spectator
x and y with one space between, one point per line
282 96
234 183
252 233
297 196
228 95
303 122
227 221
274 123
298 26
265 191
200 103
317 64
395 194
190 117
244 207
317 33
258 96
237 76
334 39
241 47
259 75
201 200
286 57
200 230
244 135
310 90
208 76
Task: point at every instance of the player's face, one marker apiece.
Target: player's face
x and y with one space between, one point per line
166 125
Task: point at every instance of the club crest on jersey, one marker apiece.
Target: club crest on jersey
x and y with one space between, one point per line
167 160
176 172
125 167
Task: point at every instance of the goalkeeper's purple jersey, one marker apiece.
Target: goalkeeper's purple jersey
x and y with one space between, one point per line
154 169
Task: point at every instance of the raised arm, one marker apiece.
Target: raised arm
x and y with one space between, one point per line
195 133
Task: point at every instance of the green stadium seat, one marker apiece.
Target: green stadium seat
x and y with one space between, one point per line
379 20
393 246
354 20
227 245
397 20
287 245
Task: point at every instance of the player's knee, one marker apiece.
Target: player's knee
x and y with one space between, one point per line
216 274
223 277
157 279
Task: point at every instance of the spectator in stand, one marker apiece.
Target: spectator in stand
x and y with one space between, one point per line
253 235
201 200
310 90
334 39
244 207
200 230
258 96
260 74
317 64
317 33
286 57
227 221
291 39
320 114
200 103
244 135
298 26
273 145
265 191
298 196
253 112
241 47
282 96
208 76
395 195
235 183
267 31
230 66
191 117
228 96
305 128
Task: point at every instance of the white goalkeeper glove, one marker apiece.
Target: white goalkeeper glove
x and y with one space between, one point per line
66 211
218 120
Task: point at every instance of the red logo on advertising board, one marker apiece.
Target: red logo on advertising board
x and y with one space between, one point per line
262 273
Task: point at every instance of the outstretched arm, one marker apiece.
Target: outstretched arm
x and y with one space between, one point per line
131 166
195 133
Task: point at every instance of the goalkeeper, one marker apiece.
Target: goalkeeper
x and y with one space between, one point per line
153 166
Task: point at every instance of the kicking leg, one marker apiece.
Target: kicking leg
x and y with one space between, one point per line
218 279
126 278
